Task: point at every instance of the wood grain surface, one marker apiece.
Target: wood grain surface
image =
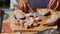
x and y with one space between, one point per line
39 28
31 30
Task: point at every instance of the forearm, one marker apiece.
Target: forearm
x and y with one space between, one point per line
51 3
21 4
57 4
29 6
25 6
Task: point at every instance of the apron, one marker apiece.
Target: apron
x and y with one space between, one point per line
38 3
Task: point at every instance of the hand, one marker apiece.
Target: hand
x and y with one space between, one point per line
48 7
56 11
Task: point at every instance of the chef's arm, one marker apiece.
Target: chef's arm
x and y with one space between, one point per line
29 6
51 3
57 4
21 4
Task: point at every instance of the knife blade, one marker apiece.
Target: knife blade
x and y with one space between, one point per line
37 14
40 15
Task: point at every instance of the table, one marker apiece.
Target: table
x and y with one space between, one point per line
35 29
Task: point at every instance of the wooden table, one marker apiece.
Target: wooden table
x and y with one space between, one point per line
35 29
39 28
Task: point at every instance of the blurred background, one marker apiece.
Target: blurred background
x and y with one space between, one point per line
5 3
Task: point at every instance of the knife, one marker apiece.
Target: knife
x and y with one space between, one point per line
37 14
40 15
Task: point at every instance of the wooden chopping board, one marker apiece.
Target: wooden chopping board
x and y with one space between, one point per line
35 29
